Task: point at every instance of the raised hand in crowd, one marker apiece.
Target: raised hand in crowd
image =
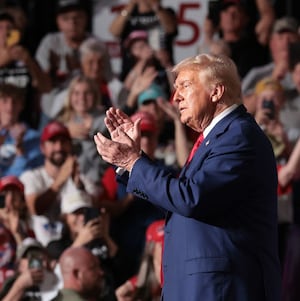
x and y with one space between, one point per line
27 279
91 230
291 170
67 170
80 129
13 213
11 220
265 22
17 131
141 82
138 68
126 291
182 144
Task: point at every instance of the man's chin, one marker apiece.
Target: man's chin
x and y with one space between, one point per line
58 161
184 119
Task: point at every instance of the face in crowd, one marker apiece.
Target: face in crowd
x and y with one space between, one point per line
6 26
72 24
57 149
92 65
83 97
10 108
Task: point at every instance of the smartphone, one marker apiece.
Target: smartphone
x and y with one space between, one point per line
269 104
76 148
91 213
35 261
2 200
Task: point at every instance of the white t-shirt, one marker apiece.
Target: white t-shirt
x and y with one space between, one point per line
48 227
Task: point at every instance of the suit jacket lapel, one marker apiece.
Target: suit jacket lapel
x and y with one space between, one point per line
218 130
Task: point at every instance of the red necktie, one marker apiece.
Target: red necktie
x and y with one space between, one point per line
195 147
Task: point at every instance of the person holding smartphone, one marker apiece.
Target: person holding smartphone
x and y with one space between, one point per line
34 279
19 68
88 226
152 16
13 212
270 99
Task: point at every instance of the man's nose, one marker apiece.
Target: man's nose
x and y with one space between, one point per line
177 96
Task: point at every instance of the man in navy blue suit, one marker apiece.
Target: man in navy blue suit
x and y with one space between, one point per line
221 225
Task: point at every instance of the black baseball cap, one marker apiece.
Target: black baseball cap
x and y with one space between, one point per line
64 6
227 3
5 16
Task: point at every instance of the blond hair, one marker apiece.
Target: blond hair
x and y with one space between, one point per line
216 69
67 110
268 83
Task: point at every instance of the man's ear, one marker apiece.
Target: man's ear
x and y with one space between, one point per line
217 92
77 276
76 273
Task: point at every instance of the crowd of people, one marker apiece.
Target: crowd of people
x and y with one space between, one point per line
74 225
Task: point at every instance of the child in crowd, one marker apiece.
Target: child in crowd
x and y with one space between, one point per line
19 144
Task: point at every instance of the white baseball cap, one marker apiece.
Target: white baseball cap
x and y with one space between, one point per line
75 200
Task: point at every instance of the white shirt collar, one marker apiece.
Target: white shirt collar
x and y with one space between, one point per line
218 118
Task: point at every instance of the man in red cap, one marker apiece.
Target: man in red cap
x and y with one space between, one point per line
45 186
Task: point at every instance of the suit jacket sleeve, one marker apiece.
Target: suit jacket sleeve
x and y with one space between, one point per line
218 178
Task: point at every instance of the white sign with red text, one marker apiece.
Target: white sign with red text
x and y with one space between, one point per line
190 17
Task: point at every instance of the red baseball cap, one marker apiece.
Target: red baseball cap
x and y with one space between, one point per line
54 128
11 181
155 232
147 123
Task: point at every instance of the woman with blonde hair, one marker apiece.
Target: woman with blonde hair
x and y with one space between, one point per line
90 90
83 115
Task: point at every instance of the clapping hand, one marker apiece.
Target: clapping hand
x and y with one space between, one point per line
118 124
124 147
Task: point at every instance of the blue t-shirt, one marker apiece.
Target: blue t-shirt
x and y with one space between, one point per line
11 163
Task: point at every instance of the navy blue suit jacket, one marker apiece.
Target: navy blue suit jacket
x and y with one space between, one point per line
221 226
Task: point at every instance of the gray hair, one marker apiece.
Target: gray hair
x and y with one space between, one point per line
92 45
